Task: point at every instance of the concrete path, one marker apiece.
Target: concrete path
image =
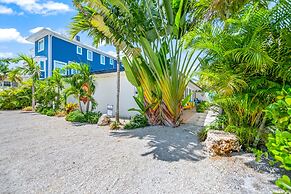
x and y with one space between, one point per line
40 154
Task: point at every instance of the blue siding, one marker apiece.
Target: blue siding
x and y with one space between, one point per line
42 53
65 51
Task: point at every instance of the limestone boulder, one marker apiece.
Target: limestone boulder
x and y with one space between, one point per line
104 120
221 143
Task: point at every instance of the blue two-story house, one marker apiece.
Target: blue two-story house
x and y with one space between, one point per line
53 50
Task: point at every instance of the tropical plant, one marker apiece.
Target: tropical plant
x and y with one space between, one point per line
57 82
32 69
78 116
16 98
245 61
70 107
202 106
137 121
81 86
100 20
279 143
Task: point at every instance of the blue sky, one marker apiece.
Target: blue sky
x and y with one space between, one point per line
20 18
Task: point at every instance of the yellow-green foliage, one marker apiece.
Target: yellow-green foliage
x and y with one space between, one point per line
15 98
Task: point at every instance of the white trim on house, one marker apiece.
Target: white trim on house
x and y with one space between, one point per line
79 53
89 58
49 60
39 49
102 59
44 32
62 63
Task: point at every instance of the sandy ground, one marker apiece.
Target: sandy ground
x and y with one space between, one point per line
40 154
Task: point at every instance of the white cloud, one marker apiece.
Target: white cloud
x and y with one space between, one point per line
5 10
112 53
6 54
11 34
36 7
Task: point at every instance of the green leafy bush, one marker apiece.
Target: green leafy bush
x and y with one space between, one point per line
137 121
279 143
78 116
202 106
92 117
50 112
248 137
15 98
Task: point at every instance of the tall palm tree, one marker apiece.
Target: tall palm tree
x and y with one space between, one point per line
156 28
31 68
102 22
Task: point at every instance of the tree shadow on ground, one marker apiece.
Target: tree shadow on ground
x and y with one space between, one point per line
168 144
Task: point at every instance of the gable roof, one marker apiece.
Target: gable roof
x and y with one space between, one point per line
45 31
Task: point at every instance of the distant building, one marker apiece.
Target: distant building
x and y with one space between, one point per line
53 50
5 84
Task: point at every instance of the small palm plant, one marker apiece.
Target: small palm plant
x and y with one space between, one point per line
81 85
32 69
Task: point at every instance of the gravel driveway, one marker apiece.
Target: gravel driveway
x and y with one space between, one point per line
40 154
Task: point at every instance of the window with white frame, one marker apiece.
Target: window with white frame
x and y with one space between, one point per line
89 55
72 71
60 65
102 60
111 61
41 45
79 50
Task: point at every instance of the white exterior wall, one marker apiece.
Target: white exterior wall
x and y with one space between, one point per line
197 91
105 94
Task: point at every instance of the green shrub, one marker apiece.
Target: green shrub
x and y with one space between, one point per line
92 117
15 98
50 112
202 106
76 116
248 137
137 121
279 143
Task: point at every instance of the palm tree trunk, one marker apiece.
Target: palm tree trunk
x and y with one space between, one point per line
80 105
32 96
118 84
87 106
